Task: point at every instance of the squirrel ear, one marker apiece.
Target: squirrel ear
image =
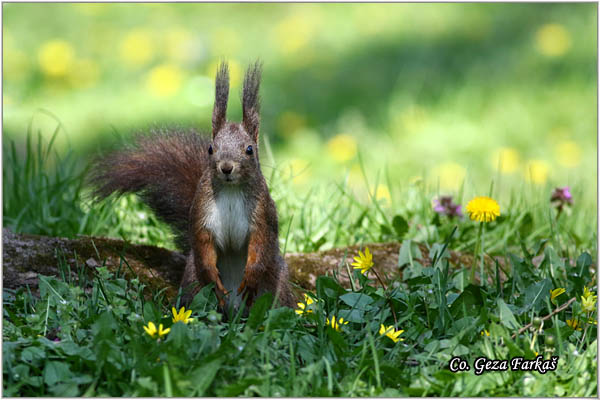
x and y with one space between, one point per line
221 96
251 101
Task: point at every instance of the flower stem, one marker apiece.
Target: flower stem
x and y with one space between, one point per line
388 299
476 253
350 277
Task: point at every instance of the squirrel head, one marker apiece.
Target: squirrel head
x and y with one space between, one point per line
234 148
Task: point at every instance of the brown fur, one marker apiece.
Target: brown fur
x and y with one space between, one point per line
180 175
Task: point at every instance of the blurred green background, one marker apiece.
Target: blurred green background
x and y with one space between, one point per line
447 94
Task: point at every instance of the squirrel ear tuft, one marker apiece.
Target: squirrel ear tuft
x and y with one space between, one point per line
251 100
221 97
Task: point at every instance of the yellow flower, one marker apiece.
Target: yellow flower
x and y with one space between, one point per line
164 80
182 315
56 58
587 293
573 323
592 321
364 262
483 209
537 171
555 293
485 332
390 332
152 331
303 307
568 153
506 159
342 147
588 304
383 193
137 48
553 40
336 324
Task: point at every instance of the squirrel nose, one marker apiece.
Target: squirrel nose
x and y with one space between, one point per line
226 168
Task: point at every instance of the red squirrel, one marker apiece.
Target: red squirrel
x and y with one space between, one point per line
214 196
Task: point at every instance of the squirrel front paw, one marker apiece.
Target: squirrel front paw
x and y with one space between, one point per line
248 290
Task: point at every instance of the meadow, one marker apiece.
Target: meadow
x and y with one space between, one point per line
371 113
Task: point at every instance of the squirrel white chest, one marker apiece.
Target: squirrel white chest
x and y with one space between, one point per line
227 218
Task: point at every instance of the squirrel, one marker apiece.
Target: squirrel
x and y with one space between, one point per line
213 195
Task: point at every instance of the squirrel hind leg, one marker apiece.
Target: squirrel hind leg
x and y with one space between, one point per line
189 282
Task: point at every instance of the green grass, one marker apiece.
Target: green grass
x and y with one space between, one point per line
85 336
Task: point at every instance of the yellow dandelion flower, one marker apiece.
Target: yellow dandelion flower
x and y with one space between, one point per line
537 171
573 323
299 170
182 315
588 304
303 307
485 332
553 40
294 33
164 80
568 153
56 58
483 209
390 332
342 147
337 325
137 48
506 160
364 261
555 293
383 193
152 331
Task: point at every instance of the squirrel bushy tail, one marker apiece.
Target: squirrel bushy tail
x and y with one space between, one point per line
163 168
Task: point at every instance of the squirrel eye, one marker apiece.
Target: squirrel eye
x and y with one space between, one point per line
249 150
210 150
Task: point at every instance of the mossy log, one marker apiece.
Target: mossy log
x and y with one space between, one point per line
25 256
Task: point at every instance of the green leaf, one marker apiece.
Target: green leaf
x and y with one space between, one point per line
583 265
65 390
328 287
468 302
236 389
535 295
408 251
526 225
282 317
56 371
385 230
202 377
259 310
507 318
179 335
33 353
357 300
400 226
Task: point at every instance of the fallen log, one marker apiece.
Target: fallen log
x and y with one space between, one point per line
25 256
